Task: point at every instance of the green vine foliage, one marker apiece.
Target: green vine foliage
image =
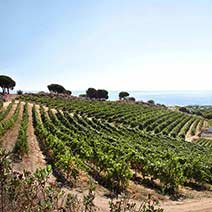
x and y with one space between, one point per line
26 192
21 147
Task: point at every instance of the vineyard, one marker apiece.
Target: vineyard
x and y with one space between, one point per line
113 142
205 142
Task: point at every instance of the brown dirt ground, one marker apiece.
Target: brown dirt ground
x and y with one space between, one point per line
199 205
188 136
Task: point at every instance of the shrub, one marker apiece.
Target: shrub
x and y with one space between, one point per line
19 92
124 205
33 192
123 94
132 99
56 88
91 93
184 110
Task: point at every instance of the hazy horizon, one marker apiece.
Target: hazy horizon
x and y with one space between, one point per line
115 45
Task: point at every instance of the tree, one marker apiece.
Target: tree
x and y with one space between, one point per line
123 94
184 110
56 88
19 92
6 83
152 102
91 93
102 94
68 92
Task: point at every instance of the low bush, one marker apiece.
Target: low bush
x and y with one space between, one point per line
26 192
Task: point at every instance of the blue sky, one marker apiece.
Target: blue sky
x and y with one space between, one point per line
112 44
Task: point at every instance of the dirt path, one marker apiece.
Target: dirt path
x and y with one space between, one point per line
9 138
198 130
197 205
35 158
188 136
205 124
200 205
5 104
191 205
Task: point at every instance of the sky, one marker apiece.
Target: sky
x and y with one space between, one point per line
110 44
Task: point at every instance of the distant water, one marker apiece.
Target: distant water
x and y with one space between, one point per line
167 97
